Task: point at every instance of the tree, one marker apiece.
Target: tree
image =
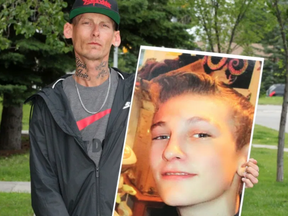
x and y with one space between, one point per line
151 22
31 56
280 11
273 67
223 25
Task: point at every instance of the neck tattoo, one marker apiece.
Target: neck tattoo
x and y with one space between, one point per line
81 69
103 70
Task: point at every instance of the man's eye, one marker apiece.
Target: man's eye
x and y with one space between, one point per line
201 135
161 137
86 23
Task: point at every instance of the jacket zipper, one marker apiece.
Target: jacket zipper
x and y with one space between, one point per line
97 191
97 174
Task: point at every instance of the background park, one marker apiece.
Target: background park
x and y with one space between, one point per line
33 53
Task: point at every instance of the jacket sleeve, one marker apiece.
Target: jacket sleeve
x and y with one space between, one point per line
45 192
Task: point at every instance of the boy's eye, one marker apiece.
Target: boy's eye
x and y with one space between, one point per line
162 137
201 135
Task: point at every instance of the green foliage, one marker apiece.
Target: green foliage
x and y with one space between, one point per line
222 24
150 22
274 67
32 48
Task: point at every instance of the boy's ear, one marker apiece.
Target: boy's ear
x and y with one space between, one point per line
242 160
68 30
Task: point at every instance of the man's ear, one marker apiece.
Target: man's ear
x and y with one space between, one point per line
117 39
242 159
68 30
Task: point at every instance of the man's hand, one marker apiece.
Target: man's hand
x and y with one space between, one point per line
250 176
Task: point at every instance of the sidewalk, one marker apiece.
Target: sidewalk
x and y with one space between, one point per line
24 187
20 187
267 146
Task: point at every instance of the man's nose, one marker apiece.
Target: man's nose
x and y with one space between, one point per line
96 30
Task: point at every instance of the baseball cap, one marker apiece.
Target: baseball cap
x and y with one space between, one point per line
106 7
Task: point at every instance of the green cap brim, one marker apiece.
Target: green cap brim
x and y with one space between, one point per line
112 14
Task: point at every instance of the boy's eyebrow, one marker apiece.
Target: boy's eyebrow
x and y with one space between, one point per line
199 119
157 124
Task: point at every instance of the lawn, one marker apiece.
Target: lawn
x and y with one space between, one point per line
268 197
263 100
264 135
15 168
15 204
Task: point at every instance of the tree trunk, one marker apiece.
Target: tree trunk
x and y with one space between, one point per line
281 136
11 126
280 154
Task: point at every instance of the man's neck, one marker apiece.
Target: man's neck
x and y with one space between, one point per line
91 73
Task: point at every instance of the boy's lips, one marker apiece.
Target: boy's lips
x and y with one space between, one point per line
177 175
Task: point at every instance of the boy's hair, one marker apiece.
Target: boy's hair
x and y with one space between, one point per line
174 84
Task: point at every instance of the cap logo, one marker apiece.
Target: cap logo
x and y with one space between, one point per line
101 2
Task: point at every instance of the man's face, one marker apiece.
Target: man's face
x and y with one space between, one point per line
92 35
193 155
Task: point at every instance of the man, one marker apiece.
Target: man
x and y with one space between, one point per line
78 124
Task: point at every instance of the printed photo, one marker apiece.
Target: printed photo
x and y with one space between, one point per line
189 133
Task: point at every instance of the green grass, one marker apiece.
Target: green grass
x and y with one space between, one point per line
264 135
263 100
15 204
15 168
268 197
26 114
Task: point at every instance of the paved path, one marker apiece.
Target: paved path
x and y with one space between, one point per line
24 187
21 187
269 116
267 146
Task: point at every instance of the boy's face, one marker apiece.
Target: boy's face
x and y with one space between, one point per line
193 155
92 36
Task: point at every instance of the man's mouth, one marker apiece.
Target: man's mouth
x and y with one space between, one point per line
94 43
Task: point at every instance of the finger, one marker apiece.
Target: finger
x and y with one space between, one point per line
251 177
252 165
248 183
253 160
250 170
